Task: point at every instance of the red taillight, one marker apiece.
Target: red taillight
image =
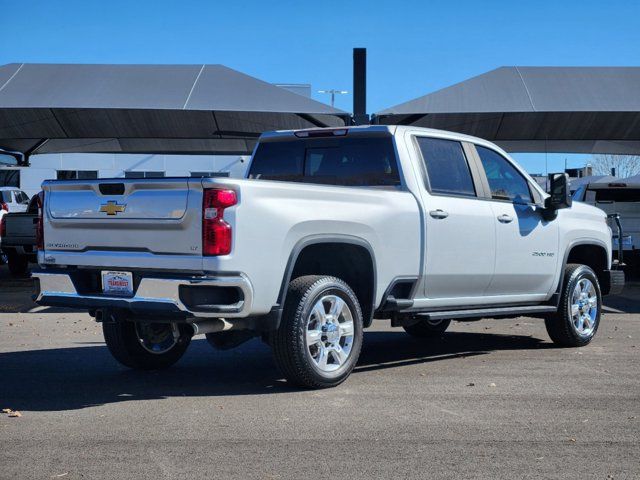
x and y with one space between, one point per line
216 233
3 226
4 206
40 225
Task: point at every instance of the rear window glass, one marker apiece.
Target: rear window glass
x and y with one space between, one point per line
364 161
614 195
5 197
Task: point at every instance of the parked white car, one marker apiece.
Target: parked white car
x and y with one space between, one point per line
331 229
13 200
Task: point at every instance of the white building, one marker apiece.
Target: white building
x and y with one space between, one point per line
119 165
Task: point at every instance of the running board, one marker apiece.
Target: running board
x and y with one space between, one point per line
487 312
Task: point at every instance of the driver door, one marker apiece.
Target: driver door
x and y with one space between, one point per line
526 243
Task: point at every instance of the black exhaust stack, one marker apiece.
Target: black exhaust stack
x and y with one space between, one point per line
360 116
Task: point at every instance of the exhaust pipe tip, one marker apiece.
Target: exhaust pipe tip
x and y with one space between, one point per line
210 326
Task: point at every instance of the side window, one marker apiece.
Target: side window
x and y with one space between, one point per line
447 166
21 197
77 174
505 181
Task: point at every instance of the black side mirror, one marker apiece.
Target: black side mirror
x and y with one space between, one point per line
560 196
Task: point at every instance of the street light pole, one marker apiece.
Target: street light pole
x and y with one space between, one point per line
333 94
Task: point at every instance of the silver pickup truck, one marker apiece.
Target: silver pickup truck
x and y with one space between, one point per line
331 229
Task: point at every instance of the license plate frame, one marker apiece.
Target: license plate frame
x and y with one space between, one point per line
117 283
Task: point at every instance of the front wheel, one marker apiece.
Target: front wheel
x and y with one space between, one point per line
146 346
578 317
320 336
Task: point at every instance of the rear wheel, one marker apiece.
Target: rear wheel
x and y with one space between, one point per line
320 336
146 346
427 328
578 317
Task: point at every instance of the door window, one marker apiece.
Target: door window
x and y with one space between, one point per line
447 167
505 181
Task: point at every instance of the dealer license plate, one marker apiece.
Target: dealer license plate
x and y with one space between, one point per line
117 283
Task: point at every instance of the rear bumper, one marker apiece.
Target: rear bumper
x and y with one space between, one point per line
188 296
612 282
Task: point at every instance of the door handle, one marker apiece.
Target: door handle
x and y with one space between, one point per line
504 218
438 213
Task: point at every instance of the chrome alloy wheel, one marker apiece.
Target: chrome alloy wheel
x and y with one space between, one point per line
329 336
157 338
584 307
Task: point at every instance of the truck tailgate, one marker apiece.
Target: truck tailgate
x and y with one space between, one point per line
124 222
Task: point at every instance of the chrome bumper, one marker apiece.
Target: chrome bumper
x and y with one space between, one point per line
158 295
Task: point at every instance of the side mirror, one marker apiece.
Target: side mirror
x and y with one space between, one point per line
560 196
11 159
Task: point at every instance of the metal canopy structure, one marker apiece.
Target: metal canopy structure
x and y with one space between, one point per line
536 109
208 109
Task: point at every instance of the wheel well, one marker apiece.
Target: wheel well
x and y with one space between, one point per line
593 256
349 262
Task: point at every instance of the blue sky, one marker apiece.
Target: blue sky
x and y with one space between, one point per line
414 47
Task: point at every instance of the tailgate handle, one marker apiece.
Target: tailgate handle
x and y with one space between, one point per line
112 188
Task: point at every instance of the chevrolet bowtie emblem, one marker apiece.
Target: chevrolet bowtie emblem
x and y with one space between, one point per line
112 208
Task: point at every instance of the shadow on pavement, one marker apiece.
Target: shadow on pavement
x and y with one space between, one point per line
74 378
628 301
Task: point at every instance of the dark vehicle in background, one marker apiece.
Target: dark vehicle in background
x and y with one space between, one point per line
18 232
621 197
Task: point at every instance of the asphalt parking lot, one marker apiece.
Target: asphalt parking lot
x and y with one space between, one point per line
493 399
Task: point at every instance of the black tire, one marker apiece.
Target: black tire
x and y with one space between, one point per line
18 264
560 325
289 342
123 341
428 328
